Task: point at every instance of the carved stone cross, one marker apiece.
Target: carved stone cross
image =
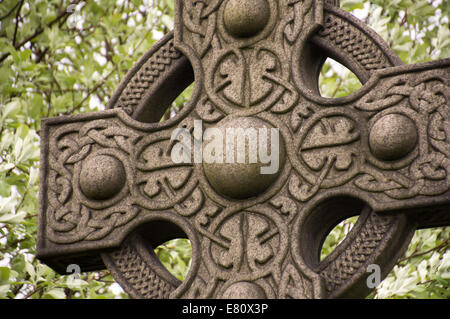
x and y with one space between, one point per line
111 190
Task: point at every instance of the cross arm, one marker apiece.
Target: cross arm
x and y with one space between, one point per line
101 175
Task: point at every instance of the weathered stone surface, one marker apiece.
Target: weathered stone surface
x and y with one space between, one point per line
111 192
242 179
102 177
246 18
393 137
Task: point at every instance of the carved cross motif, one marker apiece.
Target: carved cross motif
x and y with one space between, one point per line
111 190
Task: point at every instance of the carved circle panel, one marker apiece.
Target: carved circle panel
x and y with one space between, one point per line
260 248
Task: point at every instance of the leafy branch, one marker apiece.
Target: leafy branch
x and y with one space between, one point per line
63 14
445 244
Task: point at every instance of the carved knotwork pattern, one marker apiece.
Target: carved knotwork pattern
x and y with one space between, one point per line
151 70
356 255
134 269
294 285
351 40
72 220
332 147
327 149
424 97
153 181
297 10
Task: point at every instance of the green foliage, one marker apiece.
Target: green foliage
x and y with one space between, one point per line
337 235
60 60
424 272
176 256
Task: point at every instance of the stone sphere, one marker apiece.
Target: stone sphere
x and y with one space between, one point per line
393 137
102 177
244 290
235 177
246 18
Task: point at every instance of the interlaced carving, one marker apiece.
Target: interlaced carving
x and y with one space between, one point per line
425 97
69 221
199 19
296 19
72 216
352 41
140 83
330 150
139 274
294 285
356 254
380 151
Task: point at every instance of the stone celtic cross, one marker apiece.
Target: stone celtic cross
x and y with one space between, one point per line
111 191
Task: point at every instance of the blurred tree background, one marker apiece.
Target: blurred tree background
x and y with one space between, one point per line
60 57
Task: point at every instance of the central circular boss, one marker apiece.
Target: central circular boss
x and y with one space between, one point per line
242 157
